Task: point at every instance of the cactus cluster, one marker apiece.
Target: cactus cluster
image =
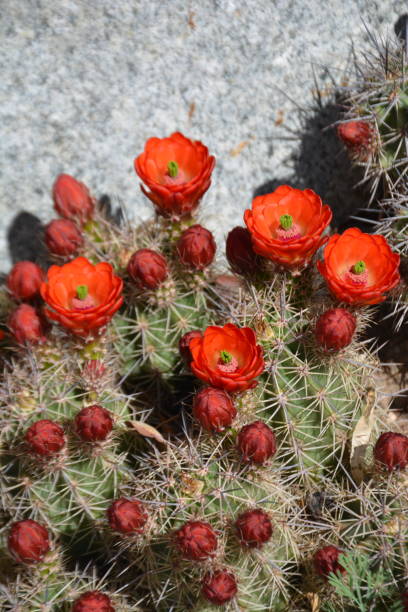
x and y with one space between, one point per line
177 437
374 130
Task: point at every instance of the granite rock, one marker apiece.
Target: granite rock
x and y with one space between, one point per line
86 82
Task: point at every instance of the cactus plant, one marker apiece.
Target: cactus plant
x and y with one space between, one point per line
376 114
181 431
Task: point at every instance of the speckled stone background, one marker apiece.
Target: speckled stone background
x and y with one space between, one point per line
85 82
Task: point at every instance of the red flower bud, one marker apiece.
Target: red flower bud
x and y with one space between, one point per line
196 540
93 601
391 451
24 280
147 268
45 438
196 247
184 345
219 587
94 372
335 329
326 560
26 325
72 199
93 423
214 409
356 135
240 254
127 516
28 541
254 528
63 237
256 442
404 598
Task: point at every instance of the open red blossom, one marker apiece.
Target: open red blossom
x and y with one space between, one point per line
63 237
359 268
219 587
28 541
72 199
24 280
196 540
227 357
286 226
196 247
27 325
391 451
177 171
214 409
147 268
93 423
81 296
127 516
257 442
326 560
335 329
254 528
93 601
45 438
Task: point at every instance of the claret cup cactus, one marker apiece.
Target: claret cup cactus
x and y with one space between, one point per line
194 433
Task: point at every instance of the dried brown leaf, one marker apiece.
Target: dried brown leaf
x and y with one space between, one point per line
147 431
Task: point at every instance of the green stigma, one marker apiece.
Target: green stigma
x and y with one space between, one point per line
225 357
359 267
286 222
172 169
82 292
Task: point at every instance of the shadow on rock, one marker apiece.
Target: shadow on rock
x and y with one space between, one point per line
321 163
25 240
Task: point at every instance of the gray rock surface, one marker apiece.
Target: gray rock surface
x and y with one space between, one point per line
85 82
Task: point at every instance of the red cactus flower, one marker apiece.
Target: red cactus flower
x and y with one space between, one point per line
93 423
28 541
227 357
256 442
391 451
81 296
254 528
196 540
196 247
93 601
63 237
335 329
239 251
24 280
219 587
147 268
286 226
184 345
359 268
177 171
326 560
358 136
127 516
45 438
26 325
404 598
72 199
214 409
